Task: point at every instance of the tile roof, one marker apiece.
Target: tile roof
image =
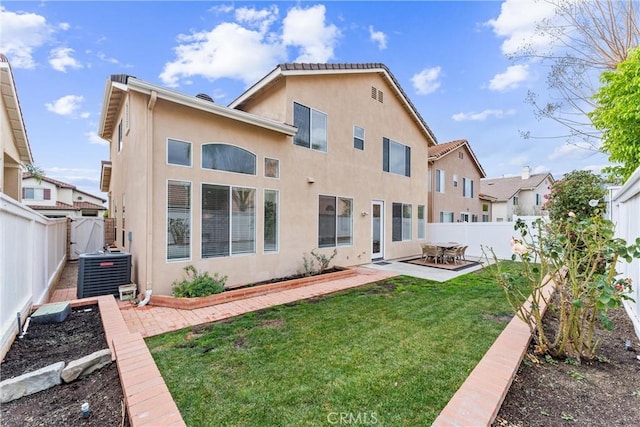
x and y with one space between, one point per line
59 206
438 151
88 205
505 188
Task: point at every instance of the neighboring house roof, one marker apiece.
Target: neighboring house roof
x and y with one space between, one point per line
61 184
14 112
439 151
58 207
505 188
119 84
291 69
88 205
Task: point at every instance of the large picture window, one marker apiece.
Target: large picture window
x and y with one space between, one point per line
178 220
228 158
335 221
396 157
228 220
401 223
312 127
178 152
271 205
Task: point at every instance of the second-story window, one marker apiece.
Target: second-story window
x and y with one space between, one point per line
358 137
439 181
396 157
312 127
467 188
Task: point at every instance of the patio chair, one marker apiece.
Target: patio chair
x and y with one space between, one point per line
431 251
461 254
451 254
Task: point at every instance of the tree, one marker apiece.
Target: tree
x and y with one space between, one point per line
617 115
573 193
36 171
586 38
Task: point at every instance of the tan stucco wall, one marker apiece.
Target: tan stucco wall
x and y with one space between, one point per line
452 199
343 171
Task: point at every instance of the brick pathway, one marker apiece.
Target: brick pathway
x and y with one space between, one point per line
150 320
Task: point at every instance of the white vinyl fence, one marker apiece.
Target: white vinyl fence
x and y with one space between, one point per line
32 253
496 235
625 213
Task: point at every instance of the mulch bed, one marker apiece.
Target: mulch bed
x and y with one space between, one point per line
602 392
44 344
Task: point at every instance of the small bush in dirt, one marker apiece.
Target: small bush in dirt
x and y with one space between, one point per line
309 263
198 284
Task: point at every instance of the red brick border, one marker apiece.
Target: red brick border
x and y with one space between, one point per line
478 400
239 294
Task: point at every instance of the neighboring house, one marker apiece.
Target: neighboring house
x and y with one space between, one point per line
519 195
327 156
56 199
14 144
454 181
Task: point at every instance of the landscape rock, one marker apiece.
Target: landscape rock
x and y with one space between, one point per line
85 365
52 313
31 382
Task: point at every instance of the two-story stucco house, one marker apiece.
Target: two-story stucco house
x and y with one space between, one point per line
14 144
522 195
454 183
57 199
328 156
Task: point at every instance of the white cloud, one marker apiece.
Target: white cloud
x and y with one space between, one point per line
426 81
22 33
510 79
517 23
378 37
65 106
579 150
258 19
64 26
61 58
483 115
247 49
95 139
306 29
229 50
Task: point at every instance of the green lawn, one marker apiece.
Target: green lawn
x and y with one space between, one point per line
393 352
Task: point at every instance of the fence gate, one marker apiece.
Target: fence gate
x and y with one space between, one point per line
87 236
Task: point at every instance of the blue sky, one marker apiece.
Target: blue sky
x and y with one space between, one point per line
449 57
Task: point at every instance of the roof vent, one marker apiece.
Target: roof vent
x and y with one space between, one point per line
205 97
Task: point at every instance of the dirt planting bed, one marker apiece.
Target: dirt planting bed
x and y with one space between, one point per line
44 344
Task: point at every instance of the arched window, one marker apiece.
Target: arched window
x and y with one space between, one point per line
229 158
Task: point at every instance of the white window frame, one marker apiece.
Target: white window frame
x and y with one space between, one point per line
264 198
119 136
447 214
172 260
190 152
467 192
421 222
323 149
356 137
440 181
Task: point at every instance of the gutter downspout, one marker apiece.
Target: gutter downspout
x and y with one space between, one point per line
149 237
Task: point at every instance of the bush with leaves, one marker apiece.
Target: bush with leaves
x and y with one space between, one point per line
573 193
580 255
198 284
